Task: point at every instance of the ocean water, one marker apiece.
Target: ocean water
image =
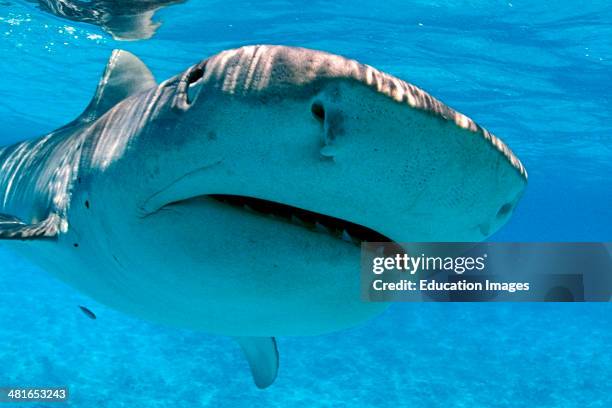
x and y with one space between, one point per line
537 74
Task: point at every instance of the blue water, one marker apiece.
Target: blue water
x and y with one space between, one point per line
538 75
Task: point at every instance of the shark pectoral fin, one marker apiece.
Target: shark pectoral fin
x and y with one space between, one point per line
262 355
13 228
125 75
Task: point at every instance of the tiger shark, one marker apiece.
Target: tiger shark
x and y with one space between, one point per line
233 197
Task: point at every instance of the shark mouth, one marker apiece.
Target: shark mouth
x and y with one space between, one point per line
316 222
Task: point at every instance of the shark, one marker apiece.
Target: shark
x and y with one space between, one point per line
233 197
123 20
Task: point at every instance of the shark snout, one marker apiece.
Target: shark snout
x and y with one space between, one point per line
426 174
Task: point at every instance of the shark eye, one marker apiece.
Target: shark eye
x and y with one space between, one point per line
318 111
194 82
195 76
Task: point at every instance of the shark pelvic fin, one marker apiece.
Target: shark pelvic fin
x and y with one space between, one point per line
262 355
13 228
125 75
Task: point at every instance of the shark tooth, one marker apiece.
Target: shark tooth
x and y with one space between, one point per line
321 228
297 221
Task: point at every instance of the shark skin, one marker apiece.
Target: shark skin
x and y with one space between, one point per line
232 198
124 20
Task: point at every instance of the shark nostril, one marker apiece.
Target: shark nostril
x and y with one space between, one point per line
318 111
504 210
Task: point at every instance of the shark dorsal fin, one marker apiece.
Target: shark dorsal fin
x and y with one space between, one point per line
125 75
